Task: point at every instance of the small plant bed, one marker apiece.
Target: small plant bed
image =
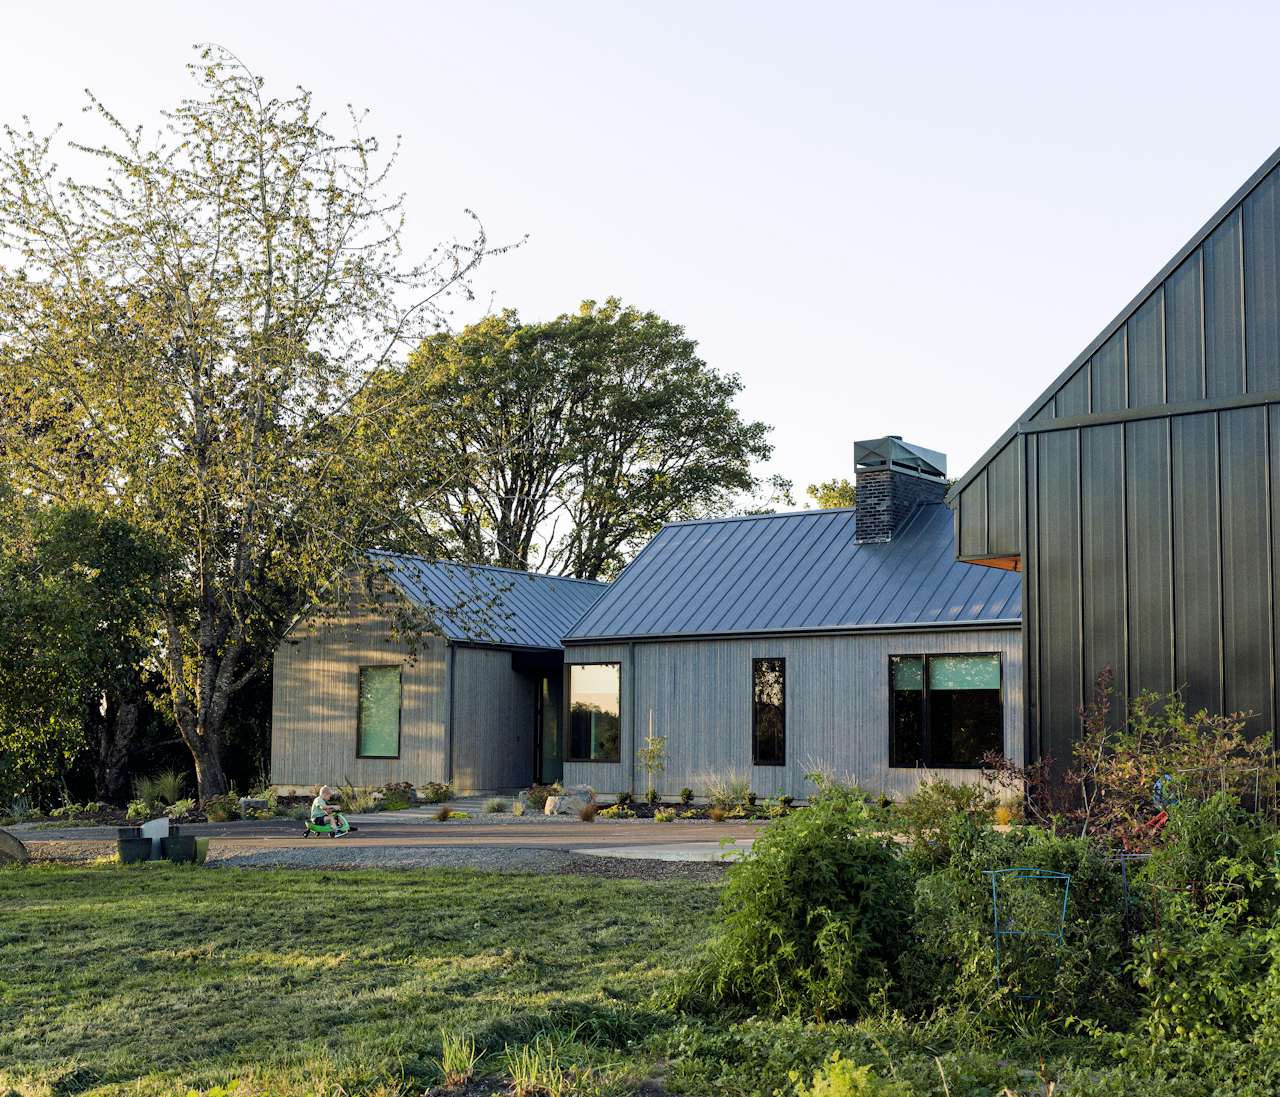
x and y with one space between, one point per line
674 811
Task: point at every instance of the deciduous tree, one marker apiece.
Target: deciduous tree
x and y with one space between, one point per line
184 338
577 438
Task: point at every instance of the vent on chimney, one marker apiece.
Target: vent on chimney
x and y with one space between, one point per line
894 478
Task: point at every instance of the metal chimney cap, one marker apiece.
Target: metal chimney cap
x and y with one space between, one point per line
892 452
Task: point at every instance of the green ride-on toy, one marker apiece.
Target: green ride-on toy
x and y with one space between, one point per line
321 828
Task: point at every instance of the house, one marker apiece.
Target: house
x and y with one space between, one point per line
770 646
477 706
1139 494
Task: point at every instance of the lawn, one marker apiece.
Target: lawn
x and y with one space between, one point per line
156 979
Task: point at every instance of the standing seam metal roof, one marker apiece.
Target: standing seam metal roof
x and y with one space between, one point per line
477 604
798 572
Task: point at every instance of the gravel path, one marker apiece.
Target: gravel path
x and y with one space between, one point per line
512 859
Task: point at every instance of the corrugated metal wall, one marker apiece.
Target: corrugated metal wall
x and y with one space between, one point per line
698 694
315 684
1141 489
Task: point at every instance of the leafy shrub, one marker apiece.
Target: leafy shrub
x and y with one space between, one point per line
716 813
538 794
840 1078
665 815
495 806
139 809
397 796
589 811
953 958
180 808
222 809
435 793
814 917
625 799
620 810
686 796
517 808
691 814
651 797
1206 962
442 814
925 813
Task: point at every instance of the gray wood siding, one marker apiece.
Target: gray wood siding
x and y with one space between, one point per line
315 683
493 721
606 777
697 693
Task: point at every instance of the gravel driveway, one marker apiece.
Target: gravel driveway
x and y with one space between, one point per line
329 855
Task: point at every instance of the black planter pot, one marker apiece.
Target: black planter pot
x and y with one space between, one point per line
181 850
133 850
128 832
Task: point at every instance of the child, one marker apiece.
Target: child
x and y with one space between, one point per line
324 812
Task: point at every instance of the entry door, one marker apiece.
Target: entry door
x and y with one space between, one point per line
550 759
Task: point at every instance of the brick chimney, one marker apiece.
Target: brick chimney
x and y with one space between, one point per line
894 478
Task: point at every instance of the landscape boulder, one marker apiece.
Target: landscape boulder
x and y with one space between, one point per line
11 849
570 802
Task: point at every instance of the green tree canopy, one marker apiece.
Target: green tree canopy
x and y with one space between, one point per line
77 624
570 442
184 338
833 493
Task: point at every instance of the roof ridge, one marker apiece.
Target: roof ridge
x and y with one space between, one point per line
485 567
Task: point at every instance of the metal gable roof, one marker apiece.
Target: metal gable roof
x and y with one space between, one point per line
801 572
476 604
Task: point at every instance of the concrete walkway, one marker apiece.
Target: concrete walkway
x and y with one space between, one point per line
674 851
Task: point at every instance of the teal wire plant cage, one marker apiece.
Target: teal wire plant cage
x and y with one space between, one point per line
1029 922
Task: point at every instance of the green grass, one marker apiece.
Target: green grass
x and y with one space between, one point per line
156 978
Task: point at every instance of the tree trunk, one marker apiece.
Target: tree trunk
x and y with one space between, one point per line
211 779
116 730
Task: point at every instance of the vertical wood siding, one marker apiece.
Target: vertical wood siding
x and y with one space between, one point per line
697 693
493 721
315 685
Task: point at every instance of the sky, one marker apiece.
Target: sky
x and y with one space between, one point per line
890 218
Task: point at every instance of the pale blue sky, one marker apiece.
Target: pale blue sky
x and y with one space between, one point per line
891 218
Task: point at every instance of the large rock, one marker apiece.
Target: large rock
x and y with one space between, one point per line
11 849
570 802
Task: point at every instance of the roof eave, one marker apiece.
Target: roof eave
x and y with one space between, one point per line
802 630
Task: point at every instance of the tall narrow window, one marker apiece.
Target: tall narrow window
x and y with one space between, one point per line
378 713
769 712
944 710
906 712
595 707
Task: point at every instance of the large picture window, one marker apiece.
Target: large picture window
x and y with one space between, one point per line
378 713
944 710
595 707
769 712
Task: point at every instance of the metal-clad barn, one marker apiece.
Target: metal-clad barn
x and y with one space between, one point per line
1138 494
477 706
849 640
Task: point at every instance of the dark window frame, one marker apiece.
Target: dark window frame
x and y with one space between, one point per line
926 761
755 715
399 711
568 714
